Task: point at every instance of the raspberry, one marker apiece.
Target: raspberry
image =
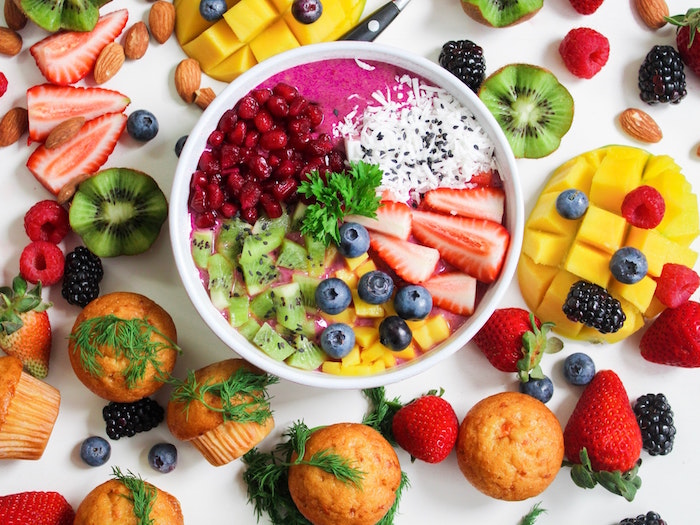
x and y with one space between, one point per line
676 284
3 84
643 207
47 220
584 51
41 261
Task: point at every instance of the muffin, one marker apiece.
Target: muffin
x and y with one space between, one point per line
325 500
112 503
510 446
122 346
209 410
28 411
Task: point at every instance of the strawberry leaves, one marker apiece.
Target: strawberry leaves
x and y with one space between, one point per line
17 300
536 343
691 20
623 484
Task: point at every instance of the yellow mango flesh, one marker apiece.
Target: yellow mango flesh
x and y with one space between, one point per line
256 30
557 252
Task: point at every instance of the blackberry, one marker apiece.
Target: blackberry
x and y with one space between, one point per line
82 274
128 419
593 306
465 60
650 518
655 419
662 76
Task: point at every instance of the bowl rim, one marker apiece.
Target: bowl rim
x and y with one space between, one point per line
180 226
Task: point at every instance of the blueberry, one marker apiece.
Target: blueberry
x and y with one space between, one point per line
579 368
572 204
394 333
180 144
307 11
142 125
354 239
95 451
628 265
163 457
413 302
333 295
337 340
212 10
541 389
375 287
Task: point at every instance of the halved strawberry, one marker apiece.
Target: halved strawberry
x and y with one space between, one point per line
85 153
486 178
481 202
453 291
48 105
412 262
393 218
66 57
475 246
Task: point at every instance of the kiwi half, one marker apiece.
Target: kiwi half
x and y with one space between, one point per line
118 211
52 15
501 13
534 110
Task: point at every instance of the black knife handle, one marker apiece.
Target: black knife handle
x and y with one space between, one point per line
370 27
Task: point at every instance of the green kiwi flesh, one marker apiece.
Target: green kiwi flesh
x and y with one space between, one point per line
533 109
53 15
118 211
501 13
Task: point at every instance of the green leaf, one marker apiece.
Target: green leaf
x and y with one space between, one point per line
623 484
531 517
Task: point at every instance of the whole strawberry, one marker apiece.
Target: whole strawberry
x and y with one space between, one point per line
35 508
514 340
688 45
673 338
586 7
602 439
25 329
426 428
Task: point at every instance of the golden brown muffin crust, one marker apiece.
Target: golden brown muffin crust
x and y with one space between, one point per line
110 504
510 446
10 372
324 500
112 385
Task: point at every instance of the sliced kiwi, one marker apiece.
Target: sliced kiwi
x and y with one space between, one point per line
307 287
238 310
289 306
316 256
202 243
534 110
118 211
229 239
249 329
72 15
221 277
79 15
501 13
308 356
262 305
272 343
292 255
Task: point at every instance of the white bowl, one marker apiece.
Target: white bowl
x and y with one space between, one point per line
180 225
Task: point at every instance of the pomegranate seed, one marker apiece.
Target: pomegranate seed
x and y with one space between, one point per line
299 125
250 215
336 161
285 91
235 181
274 139
287 168
227 121
199 179
205 220
230 156
315 114
297 106
237 134
284 189
250 194
320 146
228 210
209 162
216 138
248 107
277 106
251 138
245 153
272 207
215 196
263 121
298 141
261 95
198 200
259 167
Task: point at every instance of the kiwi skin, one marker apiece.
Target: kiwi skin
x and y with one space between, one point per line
473 9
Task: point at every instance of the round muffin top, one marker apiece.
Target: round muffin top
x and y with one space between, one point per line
10 372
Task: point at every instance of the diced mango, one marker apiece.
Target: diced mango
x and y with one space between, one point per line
657 165
348 277
534 280
545 247
364 309
576 173
188 28
367 266
248 18
545 217
619 173
331 367
373 352
602 229
652 244
274 40
366 335
347 316
331 17
434 331
352 358
681 255
633 322
353 262
281 5
638 294
227 70
406 354
214 45
549 308
589 263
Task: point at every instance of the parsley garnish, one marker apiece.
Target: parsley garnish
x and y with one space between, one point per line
336 195
141 494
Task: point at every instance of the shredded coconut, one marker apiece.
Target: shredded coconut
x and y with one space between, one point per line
420 136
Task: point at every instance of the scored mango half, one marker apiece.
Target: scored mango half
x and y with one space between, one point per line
253 30
557 252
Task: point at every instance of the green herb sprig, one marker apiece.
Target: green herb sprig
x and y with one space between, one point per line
243 395
141 495
531 517
336 195
130 338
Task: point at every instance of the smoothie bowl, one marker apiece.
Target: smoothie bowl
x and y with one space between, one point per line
346 215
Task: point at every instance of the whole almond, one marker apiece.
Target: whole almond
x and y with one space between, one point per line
640 125
10 42
188 76
652 12
203 97
136 41
14 16
161 20
109 61
63 132
13 125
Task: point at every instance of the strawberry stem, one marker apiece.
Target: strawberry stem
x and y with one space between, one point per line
623 484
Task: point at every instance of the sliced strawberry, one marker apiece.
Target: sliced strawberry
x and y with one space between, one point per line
481 202
85 153
393 218
66 57
412 262
475 246
486 178
48 105
453 291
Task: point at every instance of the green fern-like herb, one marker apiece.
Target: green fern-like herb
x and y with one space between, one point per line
141 495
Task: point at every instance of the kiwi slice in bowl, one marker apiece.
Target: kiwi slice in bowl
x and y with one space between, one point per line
532 107
118 211
501 13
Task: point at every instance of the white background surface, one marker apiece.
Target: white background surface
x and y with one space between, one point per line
438 493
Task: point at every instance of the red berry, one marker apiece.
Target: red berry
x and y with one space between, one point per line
227 120
248 107
643 207
250 194
586 7
584 51
47 220
676 284
277 106
272 207
41 261
263 121
261 95
273 139
3 84
286 91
